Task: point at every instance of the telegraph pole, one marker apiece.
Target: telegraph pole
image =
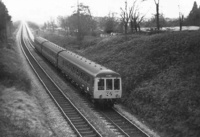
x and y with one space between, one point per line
181 17
157 13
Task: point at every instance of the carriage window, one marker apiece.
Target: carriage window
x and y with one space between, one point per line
101 84
116 84
109 84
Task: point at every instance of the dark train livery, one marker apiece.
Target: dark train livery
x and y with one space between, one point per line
102 84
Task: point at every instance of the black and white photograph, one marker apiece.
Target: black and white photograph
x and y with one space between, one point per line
99 68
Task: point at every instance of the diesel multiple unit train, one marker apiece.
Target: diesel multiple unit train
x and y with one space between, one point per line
103 85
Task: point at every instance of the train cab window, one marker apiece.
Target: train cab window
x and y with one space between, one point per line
116 84
109 85
101 84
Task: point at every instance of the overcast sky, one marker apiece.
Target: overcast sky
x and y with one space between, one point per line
41 11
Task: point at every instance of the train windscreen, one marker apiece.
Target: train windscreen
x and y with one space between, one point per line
116 84
109 85
101 84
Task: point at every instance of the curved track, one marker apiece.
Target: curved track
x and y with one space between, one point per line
78 122
115 121
124 126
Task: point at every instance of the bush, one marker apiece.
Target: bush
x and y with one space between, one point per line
11 73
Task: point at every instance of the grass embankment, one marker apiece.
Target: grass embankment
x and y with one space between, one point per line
20 113
160 74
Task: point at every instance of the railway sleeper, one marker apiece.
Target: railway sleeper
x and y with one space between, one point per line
82 123
87 132
85 128
76 119
68 109
71 113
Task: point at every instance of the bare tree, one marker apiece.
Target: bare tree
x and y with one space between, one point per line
157 2
81 22
135 17
52 24
48 25
64 23
125 17
139 20
110 23
44 27
181 18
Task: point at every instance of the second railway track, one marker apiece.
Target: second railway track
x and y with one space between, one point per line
78 122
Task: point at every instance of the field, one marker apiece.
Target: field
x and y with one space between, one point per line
160 74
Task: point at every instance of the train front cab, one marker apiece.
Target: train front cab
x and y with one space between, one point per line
107 89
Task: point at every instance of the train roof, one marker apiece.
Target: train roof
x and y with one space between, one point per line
51 46
87 65
55 48
40 40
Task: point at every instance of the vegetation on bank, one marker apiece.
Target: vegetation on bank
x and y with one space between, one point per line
5 23
20 113
11 72
160 75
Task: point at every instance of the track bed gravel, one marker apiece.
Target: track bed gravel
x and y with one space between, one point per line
57 123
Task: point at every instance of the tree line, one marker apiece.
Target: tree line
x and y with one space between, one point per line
193 18
5 22
82 23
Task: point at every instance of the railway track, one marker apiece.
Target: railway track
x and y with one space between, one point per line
78 122
122 124
115 121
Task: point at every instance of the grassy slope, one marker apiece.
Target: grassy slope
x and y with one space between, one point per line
161 75
20 113
10 70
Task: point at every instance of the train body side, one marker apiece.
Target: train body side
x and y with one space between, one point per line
39 41
51 52
84 79
98 81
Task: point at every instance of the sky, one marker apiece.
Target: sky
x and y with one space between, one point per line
41 11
